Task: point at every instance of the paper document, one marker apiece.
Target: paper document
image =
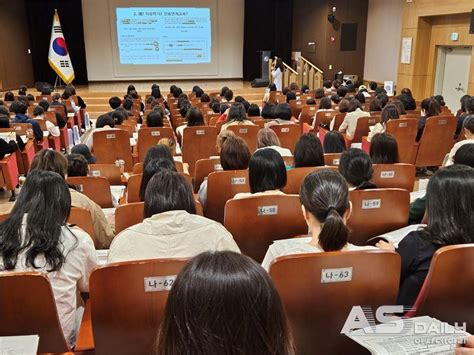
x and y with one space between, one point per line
416 195
397 236
19 345
117 193
419 335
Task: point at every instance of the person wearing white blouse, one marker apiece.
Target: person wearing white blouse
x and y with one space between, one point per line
277 74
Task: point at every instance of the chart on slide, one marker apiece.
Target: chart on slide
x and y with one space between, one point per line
164 35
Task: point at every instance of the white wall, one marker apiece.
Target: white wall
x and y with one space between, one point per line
228 40
382 49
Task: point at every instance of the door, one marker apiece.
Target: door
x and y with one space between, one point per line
452 74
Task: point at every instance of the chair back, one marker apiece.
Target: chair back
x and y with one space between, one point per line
248 133
128 300
109 171
377 211
221 187
400 176
288 134
307 114
203 168
148 137
362 129
443 296
21 128
271 217
83 219
317 310
198 143
296 106
436 140
324 118
338 119
133 188
295 177
404 130
97 188
28 307
112 145
128 215
332 159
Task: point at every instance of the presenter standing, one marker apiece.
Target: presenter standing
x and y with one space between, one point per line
277 74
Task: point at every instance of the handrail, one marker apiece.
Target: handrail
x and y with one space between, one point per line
290 68
311 64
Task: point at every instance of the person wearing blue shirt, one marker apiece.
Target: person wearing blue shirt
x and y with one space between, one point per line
20 108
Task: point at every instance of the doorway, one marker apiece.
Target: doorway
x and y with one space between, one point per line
452 74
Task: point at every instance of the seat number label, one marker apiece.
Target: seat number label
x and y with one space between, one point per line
387 174
95 172
110 136
200 132
335 161
343 274
402 124
238 181
285 130
159 283
243 130
218 167
371 204
155 133
267 210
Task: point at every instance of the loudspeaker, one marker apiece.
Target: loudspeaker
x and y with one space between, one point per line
471 29
260 83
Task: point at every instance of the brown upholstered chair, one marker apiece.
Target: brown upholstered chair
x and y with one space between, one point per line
324 118
112 145
248 133
109 171
377 211
400 176
296 106
404 130
317 310
255 222
198 143
148 137
221 187
83 219
28 307
338 119
436 141
203 168
307 114
295 177
445 294
128 303
288 134
97 188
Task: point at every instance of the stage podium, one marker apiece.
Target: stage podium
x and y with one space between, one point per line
264 57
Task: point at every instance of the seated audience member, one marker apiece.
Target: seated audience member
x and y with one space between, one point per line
9 96
268 111
253 111
56 97
384 149
408 102
342 91
119 116
308 151
223 91
11 146
67 96
375 105
325 105
228 96
267 174
236 116
360 97
311 102
383 99
319 94
343 106
234 155
356 167
267 138
83 150
77 165
194 118
38 114
228 283
399 105
305 89
326 208
429 108
335 99
372 86
104 122
19 108
465 155
80 101
449 202
59 118
51 160
266 97
171 228
294 87
389 112
440 100
115 102
153 167
156 152
467 108
290 96
46 90
468 130
334 142
36 238
154 119
282 114
327 86
221 138
349 124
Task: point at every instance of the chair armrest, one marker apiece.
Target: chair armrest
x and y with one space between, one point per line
85 338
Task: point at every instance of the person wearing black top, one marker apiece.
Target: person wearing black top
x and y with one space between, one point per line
59 118
449 206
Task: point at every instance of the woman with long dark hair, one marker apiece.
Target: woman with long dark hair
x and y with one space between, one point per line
224 303
35 237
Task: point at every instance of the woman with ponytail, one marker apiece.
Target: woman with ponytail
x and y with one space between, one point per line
356 167
324 198
429 107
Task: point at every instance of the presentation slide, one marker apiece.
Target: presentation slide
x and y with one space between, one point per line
164 35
